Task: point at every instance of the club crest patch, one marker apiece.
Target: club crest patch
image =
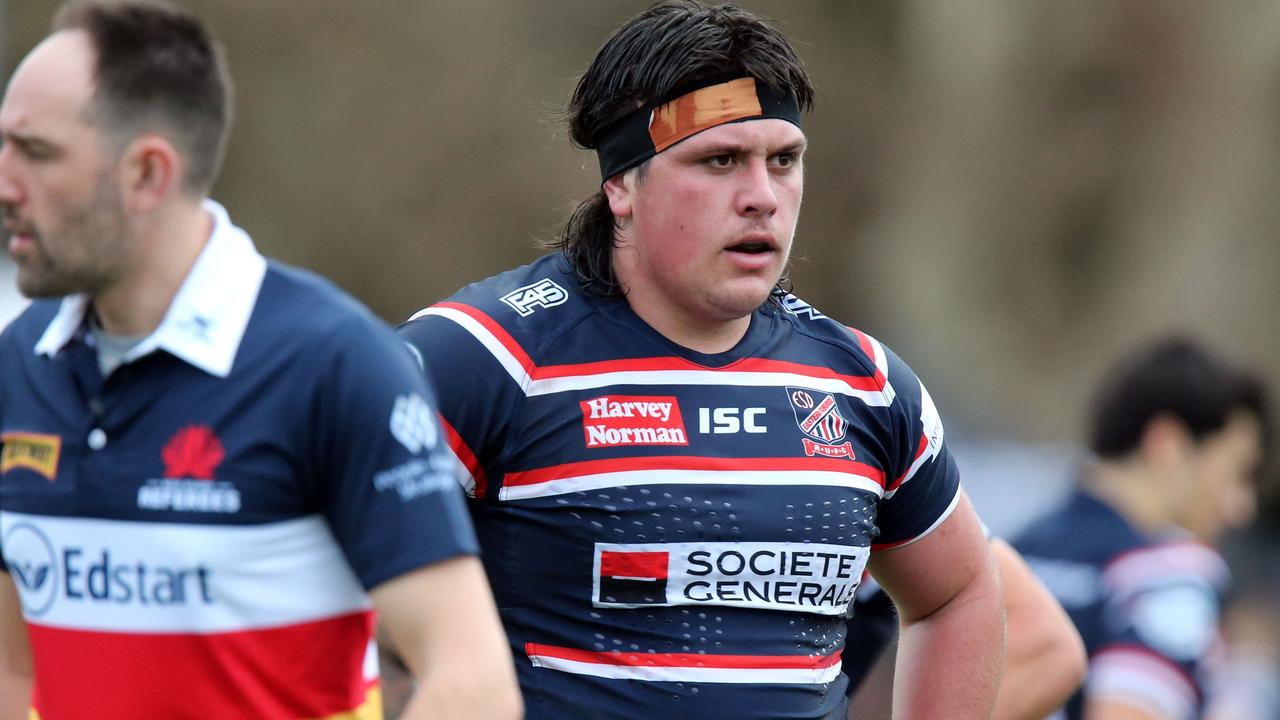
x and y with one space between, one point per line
819 418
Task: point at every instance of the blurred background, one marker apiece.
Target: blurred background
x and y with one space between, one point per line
1010 193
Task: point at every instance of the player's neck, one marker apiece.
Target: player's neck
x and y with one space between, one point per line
709 338
1133 492
165 249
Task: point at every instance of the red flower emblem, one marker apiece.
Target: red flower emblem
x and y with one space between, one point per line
193 452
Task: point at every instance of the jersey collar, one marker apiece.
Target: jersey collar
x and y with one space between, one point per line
208 316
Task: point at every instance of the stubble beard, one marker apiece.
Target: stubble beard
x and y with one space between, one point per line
88 251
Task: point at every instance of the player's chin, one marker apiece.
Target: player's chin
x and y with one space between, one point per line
743 298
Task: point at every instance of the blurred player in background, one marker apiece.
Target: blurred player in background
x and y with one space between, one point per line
1178 437
208 458
679 470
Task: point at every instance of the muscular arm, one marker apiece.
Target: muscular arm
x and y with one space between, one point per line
951 641
15 654
1046 661
443 621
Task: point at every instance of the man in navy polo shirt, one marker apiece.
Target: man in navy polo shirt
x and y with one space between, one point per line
208 458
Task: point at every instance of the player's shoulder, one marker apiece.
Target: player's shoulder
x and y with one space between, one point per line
1162 563
299 307
833 339
527 305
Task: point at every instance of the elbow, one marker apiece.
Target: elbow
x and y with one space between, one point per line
1074 661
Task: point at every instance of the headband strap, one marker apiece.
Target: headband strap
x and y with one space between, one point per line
656 127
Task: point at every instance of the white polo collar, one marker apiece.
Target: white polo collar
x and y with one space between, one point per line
207 318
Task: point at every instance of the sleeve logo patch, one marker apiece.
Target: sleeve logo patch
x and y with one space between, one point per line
37 452
413 423
543 294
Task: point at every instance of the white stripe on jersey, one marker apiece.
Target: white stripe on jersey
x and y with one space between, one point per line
548 386
144 577
598 481
495 347
1140 678
931 431
806 676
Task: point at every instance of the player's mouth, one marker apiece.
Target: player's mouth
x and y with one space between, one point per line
756 250
21 237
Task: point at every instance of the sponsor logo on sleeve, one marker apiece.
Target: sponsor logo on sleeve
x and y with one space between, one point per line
797 577
619 420
413 423
543 294
191 457
34 451
819 418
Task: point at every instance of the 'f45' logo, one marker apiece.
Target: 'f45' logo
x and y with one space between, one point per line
544 293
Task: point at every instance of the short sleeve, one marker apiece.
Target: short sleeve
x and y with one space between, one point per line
478 370
922 483
387 482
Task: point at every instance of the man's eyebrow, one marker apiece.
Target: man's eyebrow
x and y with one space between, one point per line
795 148
27 142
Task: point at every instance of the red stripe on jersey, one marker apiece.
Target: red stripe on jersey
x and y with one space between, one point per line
690 660
920 451
500 334
753 365
873 383
308 670
464 453
1146 654
652 565
864 342
682 462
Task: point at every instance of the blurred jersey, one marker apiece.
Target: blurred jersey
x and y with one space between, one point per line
1147 608
669 533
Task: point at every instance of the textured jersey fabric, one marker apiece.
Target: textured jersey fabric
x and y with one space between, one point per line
193 535
671 533
1146 607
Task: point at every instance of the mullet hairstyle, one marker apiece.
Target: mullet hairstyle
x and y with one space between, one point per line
158 69
669 46
1178 377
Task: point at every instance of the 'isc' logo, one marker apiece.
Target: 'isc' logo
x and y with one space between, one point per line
544 293
728 420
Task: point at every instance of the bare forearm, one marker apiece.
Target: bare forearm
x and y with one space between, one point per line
1034 687
1046 660
949 662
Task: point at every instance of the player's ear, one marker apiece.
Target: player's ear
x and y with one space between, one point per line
150 168
618 190
1166 440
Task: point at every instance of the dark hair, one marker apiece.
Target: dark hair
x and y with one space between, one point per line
158 69
1178 377
668 46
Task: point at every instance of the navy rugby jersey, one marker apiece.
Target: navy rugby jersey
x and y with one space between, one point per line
193 535
1146 608
670 533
